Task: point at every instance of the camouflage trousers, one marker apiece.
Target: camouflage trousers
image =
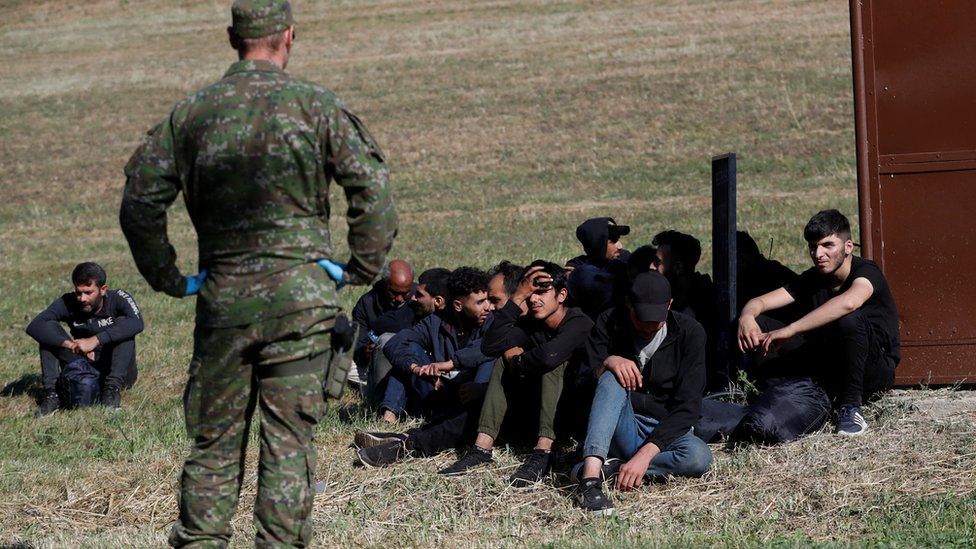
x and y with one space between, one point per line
276 366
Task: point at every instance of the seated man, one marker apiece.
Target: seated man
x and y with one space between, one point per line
433 358
757 275
444 431
850 323
693 292
430 295
536 335
390 293
597 276
651 368
101 350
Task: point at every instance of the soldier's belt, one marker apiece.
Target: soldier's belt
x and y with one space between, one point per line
307 365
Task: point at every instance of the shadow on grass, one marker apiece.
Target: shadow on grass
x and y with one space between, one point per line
28 384
352 412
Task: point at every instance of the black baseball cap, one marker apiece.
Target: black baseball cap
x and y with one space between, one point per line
650 296
614 231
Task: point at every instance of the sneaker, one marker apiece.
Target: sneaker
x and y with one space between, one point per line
111 397
368 439
384 454
590 497
608 471
533 469
850 422
473 457
49 404
355 377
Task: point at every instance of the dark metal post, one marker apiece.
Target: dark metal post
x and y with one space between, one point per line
724 257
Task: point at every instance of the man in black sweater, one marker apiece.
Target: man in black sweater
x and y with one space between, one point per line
535 335
651 367
101 350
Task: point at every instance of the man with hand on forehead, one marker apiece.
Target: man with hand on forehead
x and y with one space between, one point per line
650 362
536 336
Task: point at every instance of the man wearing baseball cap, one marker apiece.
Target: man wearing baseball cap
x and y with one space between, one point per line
598 277
254 155
650 362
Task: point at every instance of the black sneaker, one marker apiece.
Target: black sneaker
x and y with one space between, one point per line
608 471
850 422
111 397
533 469
381 455
590 497
473 457
49 404
368 439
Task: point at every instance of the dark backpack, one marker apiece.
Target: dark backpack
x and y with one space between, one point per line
81 383
785 411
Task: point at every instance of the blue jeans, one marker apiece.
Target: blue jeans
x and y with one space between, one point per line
614 430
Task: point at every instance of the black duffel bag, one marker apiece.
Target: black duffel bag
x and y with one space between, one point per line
786 410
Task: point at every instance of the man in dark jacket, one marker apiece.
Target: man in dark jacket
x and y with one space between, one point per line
536 336
441 352
429 296
391 292
651 367
101 350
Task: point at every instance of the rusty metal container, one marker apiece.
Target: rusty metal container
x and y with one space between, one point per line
915 122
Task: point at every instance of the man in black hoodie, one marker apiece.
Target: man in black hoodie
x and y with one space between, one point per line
100 353
536 335
597 276
651 367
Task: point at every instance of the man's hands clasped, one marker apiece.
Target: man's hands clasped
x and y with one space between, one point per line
752 338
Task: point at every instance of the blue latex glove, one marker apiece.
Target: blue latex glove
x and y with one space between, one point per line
193 283
334 270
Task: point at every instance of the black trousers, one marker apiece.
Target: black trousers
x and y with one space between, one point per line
115 361
848 357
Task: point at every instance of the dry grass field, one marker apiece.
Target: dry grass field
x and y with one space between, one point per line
506 123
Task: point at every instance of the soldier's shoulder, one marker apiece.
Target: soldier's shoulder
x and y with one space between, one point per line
318 92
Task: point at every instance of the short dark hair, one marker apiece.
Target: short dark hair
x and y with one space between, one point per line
684 247
746 246
511 273
88 273
641 260
434 281
557 273
465 281
825 223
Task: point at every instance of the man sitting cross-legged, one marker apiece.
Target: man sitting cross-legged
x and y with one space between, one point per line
433 358
651 367
434 365
430 295
536 335
849 329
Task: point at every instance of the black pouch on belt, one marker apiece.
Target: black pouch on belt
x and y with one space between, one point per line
337 371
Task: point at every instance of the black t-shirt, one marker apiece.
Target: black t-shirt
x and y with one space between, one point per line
812 289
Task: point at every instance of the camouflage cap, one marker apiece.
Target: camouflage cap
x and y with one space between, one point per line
257 18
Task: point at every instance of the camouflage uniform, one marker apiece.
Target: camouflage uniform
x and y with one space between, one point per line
253 155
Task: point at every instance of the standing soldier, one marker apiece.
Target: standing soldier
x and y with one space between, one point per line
253 155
